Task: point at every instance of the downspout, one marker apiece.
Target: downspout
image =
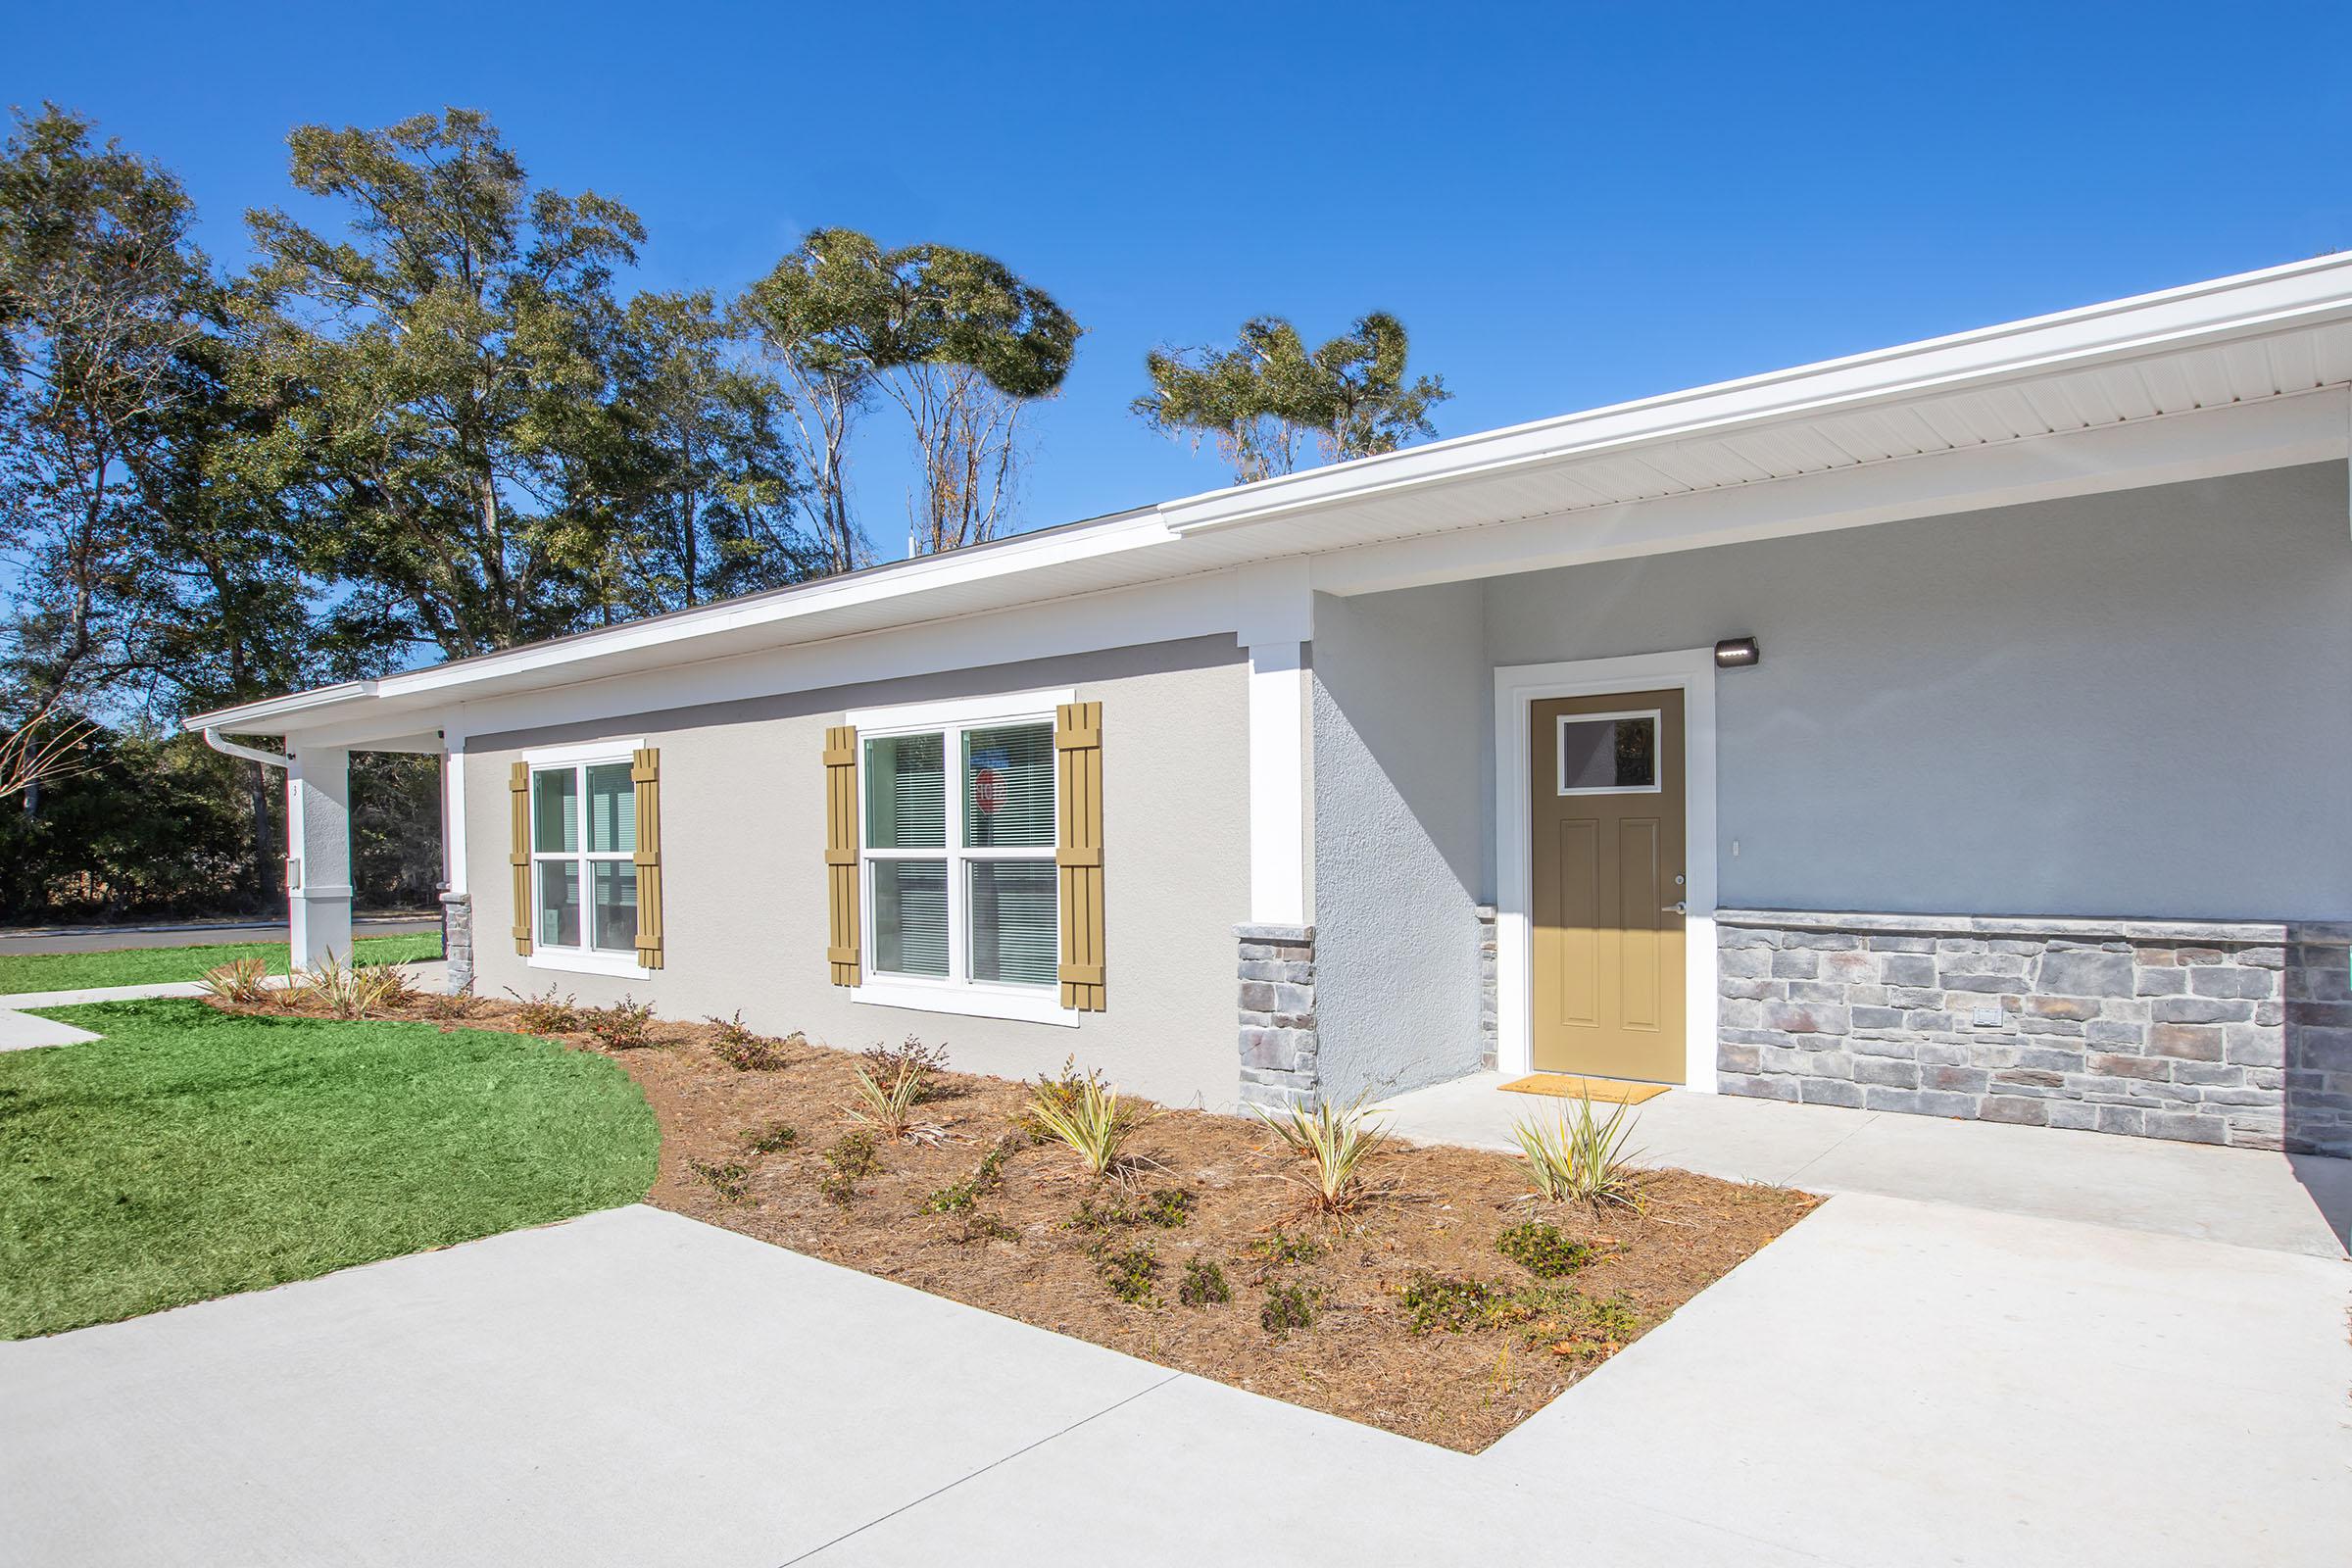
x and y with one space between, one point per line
227 748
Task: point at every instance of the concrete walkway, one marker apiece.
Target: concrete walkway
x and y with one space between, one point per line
1894 1382
2243 1197
21 1031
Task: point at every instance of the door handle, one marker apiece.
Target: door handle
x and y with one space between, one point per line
1678 906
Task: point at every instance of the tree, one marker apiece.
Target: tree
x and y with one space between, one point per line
423 373
1265 396
957 340
975 346
698 471
97 281
823 314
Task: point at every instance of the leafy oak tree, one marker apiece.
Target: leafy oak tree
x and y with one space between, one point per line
1264 399
97 284
423 371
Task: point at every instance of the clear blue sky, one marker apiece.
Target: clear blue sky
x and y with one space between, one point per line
1567 204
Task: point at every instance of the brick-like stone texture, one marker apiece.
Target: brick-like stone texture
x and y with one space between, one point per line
457 939
2238 1034
1277 993
1489 1027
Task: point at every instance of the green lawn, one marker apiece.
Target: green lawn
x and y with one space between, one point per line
193 1153
147 967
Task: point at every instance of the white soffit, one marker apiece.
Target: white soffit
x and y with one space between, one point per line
2256 338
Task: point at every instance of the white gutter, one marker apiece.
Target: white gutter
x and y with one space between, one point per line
229 748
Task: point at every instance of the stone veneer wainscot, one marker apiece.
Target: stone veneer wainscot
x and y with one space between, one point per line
2232 1033
1278 1038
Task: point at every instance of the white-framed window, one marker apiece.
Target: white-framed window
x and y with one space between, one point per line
959 892
584 859
1609 754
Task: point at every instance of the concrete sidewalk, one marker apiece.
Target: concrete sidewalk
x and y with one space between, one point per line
115 938
21 1031
2244 1197
1893 1382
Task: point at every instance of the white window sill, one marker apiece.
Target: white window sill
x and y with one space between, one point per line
1042 1006
574 961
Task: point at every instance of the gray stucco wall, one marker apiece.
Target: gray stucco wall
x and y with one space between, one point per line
1400 685
2132 704
742 837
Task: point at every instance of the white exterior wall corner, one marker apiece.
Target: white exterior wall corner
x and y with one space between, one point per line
1399 708
744 894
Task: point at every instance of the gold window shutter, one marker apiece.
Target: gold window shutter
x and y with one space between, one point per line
519 851
644 771
1078 852
841 853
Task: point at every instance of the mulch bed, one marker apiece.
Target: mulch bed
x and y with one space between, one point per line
1019 1246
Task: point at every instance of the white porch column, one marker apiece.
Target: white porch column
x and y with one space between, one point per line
319 854
1275 620
1278 784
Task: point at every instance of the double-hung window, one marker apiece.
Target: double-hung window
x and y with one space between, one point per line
958 858
583 862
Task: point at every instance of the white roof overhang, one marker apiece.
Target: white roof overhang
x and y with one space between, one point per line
2230 376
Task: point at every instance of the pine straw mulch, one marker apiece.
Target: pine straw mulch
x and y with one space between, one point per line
1015 1250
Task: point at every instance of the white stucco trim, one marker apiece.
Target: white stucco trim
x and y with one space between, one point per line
575 960
1517 687
616 751
1005 709
1042 1004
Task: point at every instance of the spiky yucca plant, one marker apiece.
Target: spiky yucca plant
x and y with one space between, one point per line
1089 1116
1577 1156
244 981
887 1103
1335 1141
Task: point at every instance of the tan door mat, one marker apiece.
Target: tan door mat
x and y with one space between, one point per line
1568 1086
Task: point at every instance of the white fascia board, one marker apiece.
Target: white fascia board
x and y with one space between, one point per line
2171 449
2299 294
1018 555
257 719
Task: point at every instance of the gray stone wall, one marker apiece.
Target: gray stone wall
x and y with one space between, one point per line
1278 1035
2235 1033
1489 1027
457 939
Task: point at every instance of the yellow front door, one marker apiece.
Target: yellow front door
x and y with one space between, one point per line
1607 787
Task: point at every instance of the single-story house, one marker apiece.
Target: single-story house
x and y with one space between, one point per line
1960 728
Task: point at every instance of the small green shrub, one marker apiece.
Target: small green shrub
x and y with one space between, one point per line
1130 1273
458 1003
1204 1283
626 1025
980 1227
770 1136
1281 1248
1287 1307
1541 1248
745 1052
1458 1302
548 1013
1167 1209
730 1180
953 1199
853 1159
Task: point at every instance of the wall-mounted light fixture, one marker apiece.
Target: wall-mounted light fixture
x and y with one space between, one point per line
1738 653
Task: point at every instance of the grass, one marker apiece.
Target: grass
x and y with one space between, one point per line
192 1154
149 967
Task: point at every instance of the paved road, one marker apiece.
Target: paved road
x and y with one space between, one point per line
1894 1382
109 939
